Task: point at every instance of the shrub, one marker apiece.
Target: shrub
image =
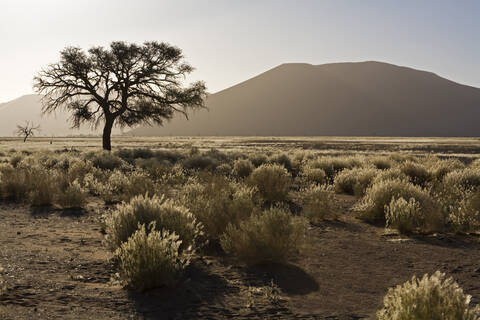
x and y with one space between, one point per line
274 236
123 187
380 194
314 175
242 168
104 160
439 169
258 159
402 215
15 184
15 160
199 162
354 181
225 169
283 160
152 259
73 196
416 173
464 217
382 163
44 187
218 202
390 174
318 202
333 165
432 297
272 181
466 179
124 221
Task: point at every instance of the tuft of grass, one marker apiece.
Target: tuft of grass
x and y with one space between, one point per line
151 259
274 236
318 203
143 210
431 297
74 196
242 168
354 181
272 181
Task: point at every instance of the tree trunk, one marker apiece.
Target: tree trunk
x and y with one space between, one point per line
107 132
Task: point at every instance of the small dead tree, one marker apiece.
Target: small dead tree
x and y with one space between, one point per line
28 130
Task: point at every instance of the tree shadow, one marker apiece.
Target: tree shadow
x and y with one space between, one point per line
199 290
288 277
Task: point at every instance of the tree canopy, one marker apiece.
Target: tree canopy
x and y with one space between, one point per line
124 85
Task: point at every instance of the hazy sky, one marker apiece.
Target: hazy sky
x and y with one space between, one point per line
230 41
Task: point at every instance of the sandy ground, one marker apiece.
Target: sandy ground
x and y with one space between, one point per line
57 268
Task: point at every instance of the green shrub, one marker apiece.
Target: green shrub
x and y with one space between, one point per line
152 259
242 168
272 181
432 297
380 194
318 203
73 196
274 236
217 202
124 221
354 181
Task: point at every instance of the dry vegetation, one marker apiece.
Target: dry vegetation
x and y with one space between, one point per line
165 207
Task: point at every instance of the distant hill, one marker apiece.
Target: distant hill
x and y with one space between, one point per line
341 99
28 108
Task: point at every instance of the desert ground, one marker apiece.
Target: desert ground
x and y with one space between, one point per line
57 266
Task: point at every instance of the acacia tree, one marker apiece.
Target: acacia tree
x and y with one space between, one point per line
124 85
28 130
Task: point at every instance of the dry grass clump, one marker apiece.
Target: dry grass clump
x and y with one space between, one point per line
216 202
403 215
417 173
464 214
313 175
372 206
381 163
354 181
14 184
258 159
242 168
44 186
333 165
151 259
142 210
466 179
432 297
105 160
390 174
283 160
121 186
272 181
440 168
74 196
274 236
200 162
318 203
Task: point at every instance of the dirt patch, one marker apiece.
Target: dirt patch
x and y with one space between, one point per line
58 268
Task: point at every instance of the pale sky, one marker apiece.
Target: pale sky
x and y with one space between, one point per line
230 41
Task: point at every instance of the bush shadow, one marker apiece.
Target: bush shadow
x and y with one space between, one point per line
200 290
289 278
